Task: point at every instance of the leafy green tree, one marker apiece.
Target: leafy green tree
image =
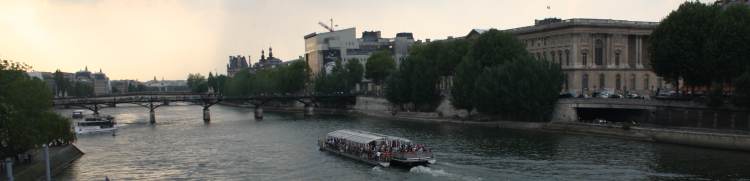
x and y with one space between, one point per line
741 96
354 72
679 44
26 117
81 89
197 83
729 44
332 82
61 84
525 89
379 66
463 84
489 49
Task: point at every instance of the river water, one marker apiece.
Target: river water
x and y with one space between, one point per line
234 146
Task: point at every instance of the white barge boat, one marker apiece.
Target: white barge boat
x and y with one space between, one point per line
376 149
96 124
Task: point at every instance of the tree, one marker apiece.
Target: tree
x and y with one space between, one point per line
81 89
526 89
741 96
61 84
26 117
354 72
489 49
197 83
679 44
728 44
379 66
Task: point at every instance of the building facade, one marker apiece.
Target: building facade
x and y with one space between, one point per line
595 54
236 63
265 63
323 49
725 3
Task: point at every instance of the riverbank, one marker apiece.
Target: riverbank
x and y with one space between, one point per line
60 158
698 138
716 139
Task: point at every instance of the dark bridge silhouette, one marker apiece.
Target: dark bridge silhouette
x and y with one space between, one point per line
153 100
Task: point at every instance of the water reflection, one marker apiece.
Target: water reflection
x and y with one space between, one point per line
234 146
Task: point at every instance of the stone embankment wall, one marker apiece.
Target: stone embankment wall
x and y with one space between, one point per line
60 158
565 121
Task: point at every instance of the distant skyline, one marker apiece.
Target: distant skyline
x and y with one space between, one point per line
169 39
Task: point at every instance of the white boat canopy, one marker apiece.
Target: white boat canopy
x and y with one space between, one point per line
356 136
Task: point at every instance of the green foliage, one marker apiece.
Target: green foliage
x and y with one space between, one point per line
26 117
728 44
61 84
334 82
741 96
463 84
282 79
379 66
416 79
415 82
490 49
525 89
354 71
702 44
197 83
81 89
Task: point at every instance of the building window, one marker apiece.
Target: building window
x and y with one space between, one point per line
585 82
565 81
646 82
552 55
617 59
601 81
538 56
559 57
567 57
598 52
618 82
544 56
632 82
584 58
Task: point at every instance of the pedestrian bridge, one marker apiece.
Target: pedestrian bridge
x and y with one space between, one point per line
153 100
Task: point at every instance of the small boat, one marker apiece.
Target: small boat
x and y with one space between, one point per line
376 149
96 124
77 114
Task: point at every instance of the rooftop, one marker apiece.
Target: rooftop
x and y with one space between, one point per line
584 22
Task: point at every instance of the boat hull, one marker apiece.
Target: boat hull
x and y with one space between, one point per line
376 163
95 131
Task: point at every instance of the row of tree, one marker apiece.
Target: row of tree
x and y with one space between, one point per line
27 120
65 87
704 45
283 79
492 73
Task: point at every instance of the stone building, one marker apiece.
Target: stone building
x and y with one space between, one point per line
725 3
264 63
595 54
236 63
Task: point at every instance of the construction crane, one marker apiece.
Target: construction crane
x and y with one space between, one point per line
327 27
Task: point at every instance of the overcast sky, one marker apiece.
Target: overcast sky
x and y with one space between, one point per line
131 39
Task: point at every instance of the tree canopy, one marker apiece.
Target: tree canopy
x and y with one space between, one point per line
26 117
379 66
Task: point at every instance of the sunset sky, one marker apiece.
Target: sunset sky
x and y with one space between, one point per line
131 39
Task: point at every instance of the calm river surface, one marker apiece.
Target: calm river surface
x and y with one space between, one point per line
283 147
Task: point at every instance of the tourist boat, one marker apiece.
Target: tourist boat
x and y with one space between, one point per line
77 114
376 149
96 124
